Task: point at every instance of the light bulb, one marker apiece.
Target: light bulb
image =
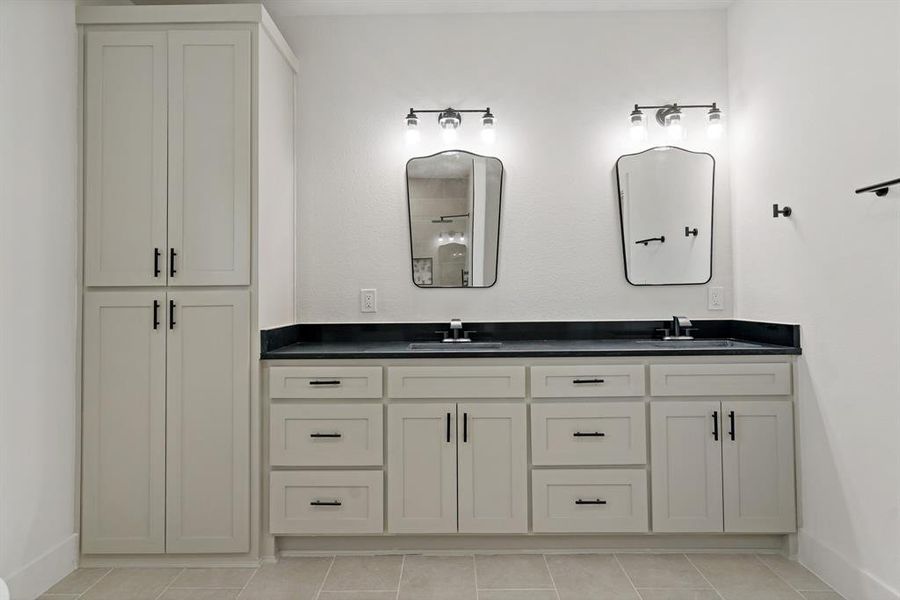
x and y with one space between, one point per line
488 134
449 119
638 124
448 134
412 135
674 128
412 120
714 124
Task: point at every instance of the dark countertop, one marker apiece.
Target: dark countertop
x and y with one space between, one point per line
531 339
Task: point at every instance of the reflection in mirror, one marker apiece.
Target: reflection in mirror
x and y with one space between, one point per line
454 219
666 209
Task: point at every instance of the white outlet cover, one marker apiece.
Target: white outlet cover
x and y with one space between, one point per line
716 298
368 300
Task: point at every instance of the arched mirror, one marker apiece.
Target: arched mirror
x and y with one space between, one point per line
666 211
454 219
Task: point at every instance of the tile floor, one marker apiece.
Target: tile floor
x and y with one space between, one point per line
479 577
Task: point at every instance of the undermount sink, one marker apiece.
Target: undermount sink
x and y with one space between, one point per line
451 346
699 343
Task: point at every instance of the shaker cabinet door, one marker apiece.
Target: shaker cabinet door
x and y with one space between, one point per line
209 157
493 468
208 422
758 466
421 468
124 418
686 459
125 158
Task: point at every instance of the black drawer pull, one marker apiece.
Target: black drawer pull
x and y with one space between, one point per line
171 314
172 255
448 428
731 422
326 435
156 256
156 314
597 501
588 434
715 425
465 427
325 382
325 503
595 380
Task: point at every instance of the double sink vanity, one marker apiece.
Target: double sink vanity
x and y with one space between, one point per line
527 428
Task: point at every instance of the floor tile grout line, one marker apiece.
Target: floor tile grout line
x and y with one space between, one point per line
705 578
246 583
628 576
400 580
324 579
168 585
90 587
550 573
788 583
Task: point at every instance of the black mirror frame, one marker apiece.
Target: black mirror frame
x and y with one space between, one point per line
712 217
499 223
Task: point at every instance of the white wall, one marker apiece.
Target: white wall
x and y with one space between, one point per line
562 86
815 91
38 300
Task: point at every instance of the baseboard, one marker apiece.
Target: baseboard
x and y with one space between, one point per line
43 572
544 543
832 567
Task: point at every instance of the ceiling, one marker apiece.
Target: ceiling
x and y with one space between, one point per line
293 8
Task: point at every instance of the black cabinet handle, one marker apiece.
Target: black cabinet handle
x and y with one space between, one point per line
448 428
325 503
156 255
731 423
595 380
465 427
172 255
715 425
325 382
156 314
597 501
326 435
588 434
171 314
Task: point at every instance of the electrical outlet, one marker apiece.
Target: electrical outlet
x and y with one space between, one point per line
716 298
368 301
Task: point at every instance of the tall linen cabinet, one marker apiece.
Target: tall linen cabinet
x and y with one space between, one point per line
188 204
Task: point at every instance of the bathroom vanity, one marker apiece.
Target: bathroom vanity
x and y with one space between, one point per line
598 429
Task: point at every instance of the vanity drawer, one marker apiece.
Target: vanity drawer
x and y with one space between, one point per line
724 379
595 433
589 500
325 382
586 381
345 502
324 435
456 382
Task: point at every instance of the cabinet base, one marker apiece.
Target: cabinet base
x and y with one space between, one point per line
544 543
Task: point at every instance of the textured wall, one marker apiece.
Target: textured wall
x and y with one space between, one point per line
815 91
561 87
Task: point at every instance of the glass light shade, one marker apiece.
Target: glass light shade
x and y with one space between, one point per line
714 123
449 119
674 128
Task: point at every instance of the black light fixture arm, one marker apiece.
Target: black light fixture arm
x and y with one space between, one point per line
459 110
673 105
880 189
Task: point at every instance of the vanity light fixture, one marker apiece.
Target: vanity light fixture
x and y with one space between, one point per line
669 116
451 118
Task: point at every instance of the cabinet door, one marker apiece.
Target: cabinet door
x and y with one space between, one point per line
686 472
209 157
421 468
208 422
125 158
758 466
493 486
124 414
